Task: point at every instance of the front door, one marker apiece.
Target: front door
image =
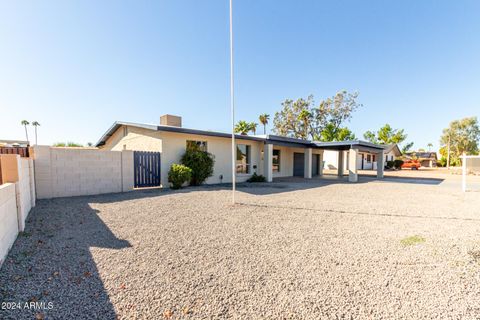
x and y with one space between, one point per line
298 164
315 161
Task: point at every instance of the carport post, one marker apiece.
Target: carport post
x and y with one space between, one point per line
267 161
320 165
340 163
352 165
307 172
380 164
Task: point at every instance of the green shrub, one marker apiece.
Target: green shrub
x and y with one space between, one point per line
390 164
201 163
398 164
178 175
256 178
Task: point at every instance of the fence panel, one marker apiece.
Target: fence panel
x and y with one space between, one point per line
146 169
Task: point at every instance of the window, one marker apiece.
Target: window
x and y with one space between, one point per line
373 158
369 158
243 158
276 161
196 145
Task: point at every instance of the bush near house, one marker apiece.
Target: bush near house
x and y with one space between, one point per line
398 164
201 163
390 164
256 178
178 175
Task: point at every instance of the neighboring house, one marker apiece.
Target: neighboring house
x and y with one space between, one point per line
13 143
365 160
426 159
268 155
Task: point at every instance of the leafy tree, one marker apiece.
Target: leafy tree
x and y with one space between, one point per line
253 127
242 127
264 118
407 147
302 119
68 144
386 135
35 124
201 163
330 133
25 123
461 136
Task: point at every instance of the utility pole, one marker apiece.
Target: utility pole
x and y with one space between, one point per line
232 104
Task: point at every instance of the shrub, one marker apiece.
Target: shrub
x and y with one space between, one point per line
178 175
256 178
398 164
201 163
390 164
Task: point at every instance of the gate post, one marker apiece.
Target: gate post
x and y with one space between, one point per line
127 170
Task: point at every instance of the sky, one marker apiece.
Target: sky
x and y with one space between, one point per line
78 66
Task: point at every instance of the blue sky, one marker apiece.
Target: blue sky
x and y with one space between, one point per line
77 66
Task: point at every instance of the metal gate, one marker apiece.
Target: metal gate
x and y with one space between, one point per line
146 169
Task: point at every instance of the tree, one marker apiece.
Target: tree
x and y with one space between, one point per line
407 147
263 118
302 119
430 145
461 136
25 123
386 135
253 127
68 144
35 124
330 133
242 127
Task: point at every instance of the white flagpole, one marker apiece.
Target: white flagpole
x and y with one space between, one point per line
232 104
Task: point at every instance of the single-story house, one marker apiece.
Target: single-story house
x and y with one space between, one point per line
365 160
426 159
268 155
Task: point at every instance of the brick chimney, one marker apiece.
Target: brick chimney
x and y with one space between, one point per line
170 120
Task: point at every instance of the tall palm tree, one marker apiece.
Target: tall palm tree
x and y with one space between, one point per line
304 118
263 118
25 123
429 145
35 124
242 127
253 127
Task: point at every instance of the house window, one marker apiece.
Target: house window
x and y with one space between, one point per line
243 158
196 145
369 158
276 161
373 158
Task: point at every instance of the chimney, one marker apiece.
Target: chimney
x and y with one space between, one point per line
169 120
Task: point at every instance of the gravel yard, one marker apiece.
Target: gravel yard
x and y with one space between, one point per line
292 249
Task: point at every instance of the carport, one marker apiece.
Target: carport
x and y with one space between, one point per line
351 149
313 163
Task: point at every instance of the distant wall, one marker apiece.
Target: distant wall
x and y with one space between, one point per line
65 172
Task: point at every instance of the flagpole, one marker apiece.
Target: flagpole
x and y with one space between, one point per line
232 104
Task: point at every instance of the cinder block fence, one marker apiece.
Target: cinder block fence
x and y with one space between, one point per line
17 197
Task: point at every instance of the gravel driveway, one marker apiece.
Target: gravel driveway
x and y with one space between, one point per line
290 250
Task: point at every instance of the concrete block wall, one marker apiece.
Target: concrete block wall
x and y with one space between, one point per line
25 190
66 172
8 219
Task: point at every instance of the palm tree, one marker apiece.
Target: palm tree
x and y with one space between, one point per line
429 145
304 117
253 127
25 123
263 118
35 124
242 127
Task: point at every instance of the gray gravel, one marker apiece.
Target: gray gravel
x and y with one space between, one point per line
290 250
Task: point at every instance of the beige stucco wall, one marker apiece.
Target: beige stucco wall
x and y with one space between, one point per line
134 138
65 172
8 219
286 160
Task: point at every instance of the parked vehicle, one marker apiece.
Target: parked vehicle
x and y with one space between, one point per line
411 164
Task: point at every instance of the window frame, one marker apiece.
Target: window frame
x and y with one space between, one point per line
278 156
202 145
246 168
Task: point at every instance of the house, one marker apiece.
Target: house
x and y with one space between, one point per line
426 159
13 143
269 155
365 160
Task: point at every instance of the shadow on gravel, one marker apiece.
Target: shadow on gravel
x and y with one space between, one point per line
50 266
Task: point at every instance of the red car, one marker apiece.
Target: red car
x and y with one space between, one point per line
411 164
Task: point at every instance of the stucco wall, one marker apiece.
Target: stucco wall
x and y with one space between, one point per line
65 172
134 138
8 219
25 191
286 160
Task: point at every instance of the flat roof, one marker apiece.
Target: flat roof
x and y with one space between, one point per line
268 139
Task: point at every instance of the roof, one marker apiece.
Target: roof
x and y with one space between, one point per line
393 147
423 154
273 139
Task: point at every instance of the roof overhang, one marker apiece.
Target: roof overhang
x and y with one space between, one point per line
360 145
